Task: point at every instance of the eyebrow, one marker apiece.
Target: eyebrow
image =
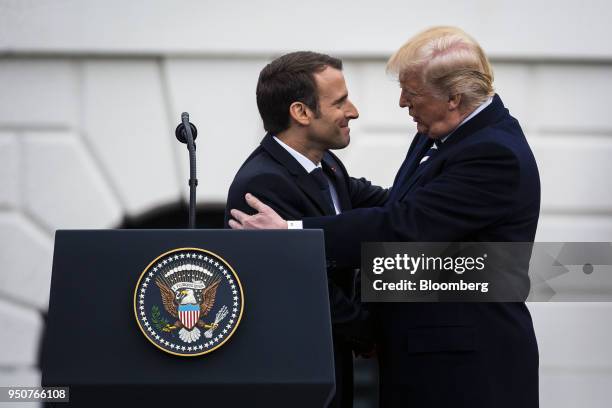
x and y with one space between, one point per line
410 90
341 99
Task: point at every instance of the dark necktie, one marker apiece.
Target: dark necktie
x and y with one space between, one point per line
432 151
319 178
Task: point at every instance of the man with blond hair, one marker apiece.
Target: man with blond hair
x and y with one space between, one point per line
469 176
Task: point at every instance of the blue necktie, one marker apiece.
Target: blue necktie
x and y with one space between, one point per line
321 180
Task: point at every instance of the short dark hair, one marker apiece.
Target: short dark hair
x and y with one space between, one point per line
289 79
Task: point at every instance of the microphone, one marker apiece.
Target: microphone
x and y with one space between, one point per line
180 133
186 132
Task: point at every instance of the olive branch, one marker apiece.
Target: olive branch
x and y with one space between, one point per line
156 318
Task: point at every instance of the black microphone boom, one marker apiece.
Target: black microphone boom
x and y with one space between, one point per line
186 132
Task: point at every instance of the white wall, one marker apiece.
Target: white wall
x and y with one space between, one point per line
525 28
76 75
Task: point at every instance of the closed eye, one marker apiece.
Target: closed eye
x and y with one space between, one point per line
409 93
340 101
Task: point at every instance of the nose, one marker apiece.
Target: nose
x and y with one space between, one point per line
403 101
352 112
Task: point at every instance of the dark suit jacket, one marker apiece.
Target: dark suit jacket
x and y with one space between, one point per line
481 186
275 177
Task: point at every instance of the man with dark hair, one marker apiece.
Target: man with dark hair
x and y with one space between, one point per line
304 104
289 79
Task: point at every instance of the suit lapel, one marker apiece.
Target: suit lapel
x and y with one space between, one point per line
332 169
302 179
310 188
405 176
413 171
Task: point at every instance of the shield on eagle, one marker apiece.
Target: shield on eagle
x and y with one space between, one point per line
189 315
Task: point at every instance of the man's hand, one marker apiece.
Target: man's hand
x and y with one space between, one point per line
266 217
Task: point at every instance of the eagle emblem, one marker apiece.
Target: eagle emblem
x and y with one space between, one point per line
188 301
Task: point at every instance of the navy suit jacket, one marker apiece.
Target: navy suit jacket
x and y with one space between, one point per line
275 177
481 186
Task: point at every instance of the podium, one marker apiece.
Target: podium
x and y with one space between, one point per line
277 350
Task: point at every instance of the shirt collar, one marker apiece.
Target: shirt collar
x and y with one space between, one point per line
306 163
470 116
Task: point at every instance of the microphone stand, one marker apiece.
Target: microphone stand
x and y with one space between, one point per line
186 133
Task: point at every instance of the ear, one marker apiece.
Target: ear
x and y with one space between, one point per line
454 101
300 113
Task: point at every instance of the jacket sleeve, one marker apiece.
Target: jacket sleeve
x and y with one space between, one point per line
364 194
475 190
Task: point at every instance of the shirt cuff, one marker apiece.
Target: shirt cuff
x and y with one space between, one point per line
295 224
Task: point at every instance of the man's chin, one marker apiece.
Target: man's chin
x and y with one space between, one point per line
342 143
422 129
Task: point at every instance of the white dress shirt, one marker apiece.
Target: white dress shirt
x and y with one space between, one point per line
479 109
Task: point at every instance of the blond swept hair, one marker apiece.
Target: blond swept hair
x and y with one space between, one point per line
450 62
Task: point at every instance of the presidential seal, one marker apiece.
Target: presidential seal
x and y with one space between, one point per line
188 302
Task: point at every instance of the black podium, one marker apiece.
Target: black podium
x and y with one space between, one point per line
279 354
